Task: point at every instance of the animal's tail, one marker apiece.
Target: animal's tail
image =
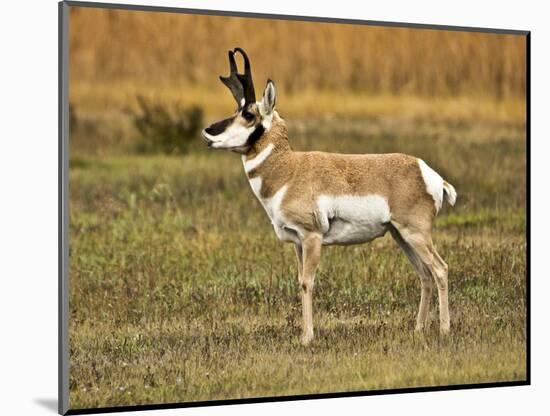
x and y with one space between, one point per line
438 188
449 193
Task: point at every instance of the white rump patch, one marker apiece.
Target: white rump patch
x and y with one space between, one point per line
252 164
351 219
434 183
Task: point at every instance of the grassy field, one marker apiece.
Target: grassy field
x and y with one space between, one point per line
181 292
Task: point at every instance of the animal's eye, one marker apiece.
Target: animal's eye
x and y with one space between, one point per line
248 116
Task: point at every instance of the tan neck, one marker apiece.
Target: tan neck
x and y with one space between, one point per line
277 135
271 158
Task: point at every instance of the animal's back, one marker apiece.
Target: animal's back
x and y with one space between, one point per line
351 198
338 174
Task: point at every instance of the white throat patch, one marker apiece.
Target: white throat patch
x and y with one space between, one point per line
252 164
256 185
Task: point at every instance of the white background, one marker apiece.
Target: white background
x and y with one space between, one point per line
28 204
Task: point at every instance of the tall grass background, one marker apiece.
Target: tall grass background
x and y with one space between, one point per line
113 45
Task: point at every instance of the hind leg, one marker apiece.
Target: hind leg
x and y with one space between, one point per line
442 282
418 246
299 260
425 279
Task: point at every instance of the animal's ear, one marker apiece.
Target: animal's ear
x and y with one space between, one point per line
269 98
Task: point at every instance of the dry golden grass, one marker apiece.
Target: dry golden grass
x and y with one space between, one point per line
164 47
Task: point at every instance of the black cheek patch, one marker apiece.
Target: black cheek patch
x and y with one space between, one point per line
219 127
255 135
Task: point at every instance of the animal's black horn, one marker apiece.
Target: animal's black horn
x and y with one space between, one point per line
232 81
232 63
246 78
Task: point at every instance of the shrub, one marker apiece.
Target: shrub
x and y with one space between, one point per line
165 129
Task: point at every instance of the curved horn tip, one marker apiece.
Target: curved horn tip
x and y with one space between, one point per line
241 51
231 57
232 62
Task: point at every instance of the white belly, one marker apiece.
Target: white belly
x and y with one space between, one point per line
352 219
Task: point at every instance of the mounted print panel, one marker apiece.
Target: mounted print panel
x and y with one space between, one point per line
272 208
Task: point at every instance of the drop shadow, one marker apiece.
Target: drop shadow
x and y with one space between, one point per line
49 404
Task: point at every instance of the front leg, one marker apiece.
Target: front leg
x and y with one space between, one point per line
298 248
311 254
300 265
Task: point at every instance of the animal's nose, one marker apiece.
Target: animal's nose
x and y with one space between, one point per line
209 130
208 141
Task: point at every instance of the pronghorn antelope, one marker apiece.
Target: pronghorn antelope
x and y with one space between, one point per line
316 198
